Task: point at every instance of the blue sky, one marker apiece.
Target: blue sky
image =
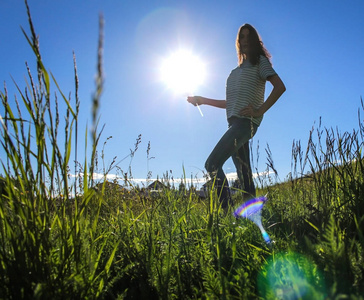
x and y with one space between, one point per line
316 49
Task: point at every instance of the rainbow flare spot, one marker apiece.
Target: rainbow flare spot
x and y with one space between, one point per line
252 210
250 207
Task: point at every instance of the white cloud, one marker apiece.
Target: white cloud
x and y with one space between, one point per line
234 175
198 182
97 176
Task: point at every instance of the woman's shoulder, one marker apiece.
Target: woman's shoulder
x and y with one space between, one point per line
264 59
236 69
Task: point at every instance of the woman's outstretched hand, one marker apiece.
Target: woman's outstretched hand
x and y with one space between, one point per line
195 100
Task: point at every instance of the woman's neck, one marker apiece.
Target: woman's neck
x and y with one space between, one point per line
245 57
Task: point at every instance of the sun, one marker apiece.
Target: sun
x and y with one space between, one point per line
182 72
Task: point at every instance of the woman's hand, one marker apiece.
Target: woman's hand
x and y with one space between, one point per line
278 89
195 100
250 111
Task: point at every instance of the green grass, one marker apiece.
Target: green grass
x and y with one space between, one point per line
66 240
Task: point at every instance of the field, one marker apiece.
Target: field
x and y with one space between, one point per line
61 239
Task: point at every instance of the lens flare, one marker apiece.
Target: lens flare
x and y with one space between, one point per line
252 210
251 207
291 276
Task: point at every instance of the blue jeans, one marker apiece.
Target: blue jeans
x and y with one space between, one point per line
234 143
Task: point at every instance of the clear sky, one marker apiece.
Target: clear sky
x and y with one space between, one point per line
317 49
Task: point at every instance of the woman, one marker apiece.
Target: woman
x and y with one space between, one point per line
245 107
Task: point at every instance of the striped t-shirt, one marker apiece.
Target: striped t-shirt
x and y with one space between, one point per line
246 85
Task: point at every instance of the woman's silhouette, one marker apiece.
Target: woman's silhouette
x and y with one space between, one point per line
245 107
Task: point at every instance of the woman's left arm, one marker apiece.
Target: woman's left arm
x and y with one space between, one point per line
277 91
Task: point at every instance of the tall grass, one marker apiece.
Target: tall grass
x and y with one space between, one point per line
51 246
61 239
321 206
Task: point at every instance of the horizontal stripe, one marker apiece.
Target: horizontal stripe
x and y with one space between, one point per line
246 85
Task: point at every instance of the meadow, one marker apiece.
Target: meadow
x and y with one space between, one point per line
66 239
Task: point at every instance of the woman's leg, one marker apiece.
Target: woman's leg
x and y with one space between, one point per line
241 159
239 132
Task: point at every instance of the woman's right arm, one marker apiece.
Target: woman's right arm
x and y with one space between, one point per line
198 100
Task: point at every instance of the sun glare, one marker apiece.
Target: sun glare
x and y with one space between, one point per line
182 72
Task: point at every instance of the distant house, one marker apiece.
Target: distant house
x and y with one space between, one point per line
156 187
